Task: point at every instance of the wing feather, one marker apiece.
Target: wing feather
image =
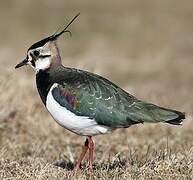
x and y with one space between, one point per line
91 95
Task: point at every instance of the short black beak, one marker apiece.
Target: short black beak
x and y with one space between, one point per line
22 63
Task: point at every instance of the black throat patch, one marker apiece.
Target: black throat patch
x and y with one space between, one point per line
43 84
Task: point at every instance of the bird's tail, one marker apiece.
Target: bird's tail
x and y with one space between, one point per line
178 120
147 112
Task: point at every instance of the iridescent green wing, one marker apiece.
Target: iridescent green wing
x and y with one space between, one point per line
87 94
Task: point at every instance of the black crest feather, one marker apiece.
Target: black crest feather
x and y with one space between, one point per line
54 36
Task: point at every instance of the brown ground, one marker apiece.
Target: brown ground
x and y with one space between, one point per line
144 46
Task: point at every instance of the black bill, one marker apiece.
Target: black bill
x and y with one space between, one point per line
24 62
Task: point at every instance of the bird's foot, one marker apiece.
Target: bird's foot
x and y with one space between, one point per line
90 170
75 169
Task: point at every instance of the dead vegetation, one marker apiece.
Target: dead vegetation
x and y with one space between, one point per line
145 47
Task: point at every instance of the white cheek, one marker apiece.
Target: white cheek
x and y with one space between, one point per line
42 64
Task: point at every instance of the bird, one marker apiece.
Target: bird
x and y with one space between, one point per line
85 103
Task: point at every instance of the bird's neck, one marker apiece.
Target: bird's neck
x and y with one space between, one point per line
55 58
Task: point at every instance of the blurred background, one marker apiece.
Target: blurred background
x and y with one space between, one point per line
146 47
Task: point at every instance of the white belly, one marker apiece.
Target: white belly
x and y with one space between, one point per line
78 124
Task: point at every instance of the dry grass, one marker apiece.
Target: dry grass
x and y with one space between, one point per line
145 47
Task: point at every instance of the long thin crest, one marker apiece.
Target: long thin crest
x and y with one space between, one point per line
54 36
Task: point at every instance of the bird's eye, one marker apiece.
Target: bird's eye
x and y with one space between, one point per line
36 53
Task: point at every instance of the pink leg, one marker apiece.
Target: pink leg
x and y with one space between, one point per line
82 155
91 152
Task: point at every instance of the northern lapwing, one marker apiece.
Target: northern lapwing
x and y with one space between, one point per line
86 103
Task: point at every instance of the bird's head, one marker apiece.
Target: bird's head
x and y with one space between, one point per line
44 54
